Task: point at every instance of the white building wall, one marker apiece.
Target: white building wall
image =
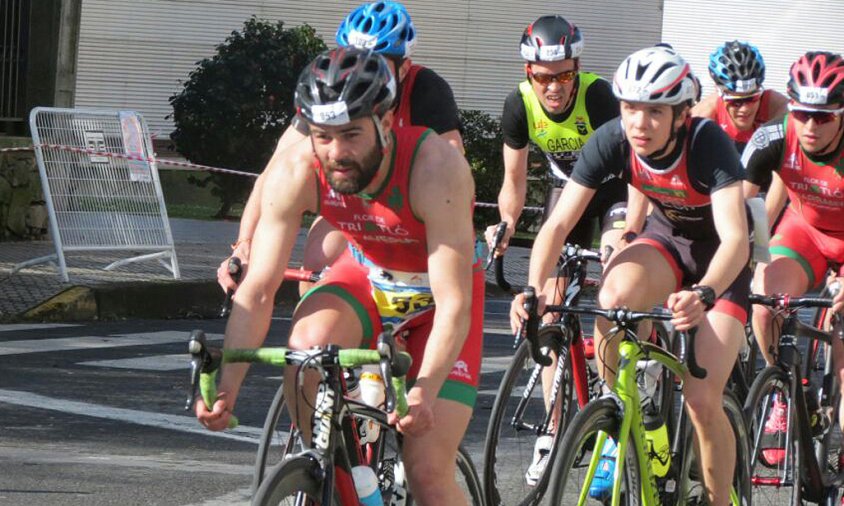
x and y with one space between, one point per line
781 29
133 54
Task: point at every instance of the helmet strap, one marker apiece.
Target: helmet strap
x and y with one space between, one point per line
382 135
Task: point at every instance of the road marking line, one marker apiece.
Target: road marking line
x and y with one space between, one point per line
159 420
95 342
150 363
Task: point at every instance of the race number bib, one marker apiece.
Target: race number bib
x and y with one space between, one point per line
399 295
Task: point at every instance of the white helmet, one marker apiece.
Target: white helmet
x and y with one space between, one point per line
656 75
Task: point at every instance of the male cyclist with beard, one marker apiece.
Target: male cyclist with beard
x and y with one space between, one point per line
691 250
424 99
403 197
557 107
806 151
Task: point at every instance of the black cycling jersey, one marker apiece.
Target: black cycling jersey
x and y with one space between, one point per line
432 104
706 162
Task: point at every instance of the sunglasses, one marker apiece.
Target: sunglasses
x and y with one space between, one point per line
738 101
820 116
564 77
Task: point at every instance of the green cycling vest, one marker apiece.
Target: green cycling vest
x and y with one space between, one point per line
561 142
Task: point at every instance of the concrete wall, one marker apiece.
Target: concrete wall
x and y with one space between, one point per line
23 213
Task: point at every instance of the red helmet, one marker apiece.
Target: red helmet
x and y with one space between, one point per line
817 78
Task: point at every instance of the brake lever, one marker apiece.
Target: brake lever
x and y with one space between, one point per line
387 349
199 355
235 269
500 230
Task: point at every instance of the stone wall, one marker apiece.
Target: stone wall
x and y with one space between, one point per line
23 213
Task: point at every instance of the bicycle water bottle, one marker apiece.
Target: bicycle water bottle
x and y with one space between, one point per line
399 497
366 485
353 391
372 393
659 448
647 378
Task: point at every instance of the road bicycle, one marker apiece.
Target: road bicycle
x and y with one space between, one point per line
794 425
526 408
619 414
281 439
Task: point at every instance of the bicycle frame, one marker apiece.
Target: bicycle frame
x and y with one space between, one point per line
626 393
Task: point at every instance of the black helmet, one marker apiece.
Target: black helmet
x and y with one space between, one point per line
345 84
817 78
551 38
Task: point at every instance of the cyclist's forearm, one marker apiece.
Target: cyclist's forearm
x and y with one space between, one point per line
546 248
448 334
251 212
637 210
511 202
247 328
730 258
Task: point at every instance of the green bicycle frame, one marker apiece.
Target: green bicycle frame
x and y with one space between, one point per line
632 426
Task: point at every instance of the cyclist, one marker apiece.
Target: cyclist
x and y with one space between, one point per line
806 151
424 99
697 234
403 197
741 104
557 107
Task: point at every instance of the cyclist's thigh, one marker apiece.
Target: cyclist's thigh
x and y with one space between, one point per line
433 455
323 245
338 310
641 275
718 341
552 195
797 263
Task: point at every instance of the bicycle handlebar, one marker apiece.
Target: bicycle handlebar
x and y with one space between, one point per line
621 316
235 269
785 301
206 361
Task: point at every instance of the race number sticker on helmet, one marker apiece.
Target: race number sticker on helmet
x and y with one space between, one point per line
745 85
335 113
813 95
364 40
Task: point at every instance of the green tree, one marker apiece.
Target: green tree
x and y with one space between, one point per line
236 104
484 142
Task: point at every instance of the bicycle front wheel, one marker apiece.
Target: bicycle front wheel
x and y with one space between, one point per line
515 426
569 480
277 439
776 454
292 482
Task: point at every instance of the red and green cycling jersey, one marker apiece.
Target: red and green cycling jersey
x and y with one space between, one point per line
742 137
815 185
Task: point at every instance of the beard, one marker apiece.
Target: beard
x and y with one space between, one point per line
348 176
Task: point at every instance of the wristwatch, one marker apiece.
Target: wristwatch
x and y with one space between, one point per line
706 294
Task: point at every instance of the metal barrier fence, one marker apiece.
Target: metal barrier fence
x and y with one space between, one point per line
98 201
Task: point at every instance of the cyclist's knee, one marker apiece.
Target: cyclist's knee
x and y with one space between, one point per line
616 294
430 479
705 405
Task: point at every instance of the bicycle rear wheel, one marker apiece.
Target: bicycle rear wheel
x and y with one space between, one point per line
292 482
467 478
692 490
776 453
569 473
515 424
276 441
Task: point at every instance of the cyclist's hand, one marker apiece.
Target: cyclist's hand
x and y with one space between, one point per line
224 278
489 235
420 414
518 314
687 308
217 418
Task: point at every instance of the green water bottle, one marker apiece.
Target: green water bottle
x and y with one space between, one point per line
659 447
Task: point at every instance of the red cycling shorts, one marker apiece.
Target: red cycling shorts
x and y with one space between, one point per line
814 250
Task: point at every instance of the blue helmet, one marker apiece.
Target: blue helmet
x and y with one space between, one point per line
737 67
384 27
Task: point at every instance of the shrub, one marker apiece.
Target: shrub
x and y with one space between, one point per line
236 104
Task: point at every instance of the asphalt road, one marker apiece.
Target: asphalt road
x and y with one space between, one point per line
93 414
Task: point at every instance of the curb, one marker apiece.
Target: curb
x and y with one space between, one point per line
141 300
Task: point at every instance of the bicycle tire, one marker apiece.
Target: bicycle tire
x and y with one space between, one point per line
273 446
604 415
468 479
508 451
294 479
690 477
769 383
